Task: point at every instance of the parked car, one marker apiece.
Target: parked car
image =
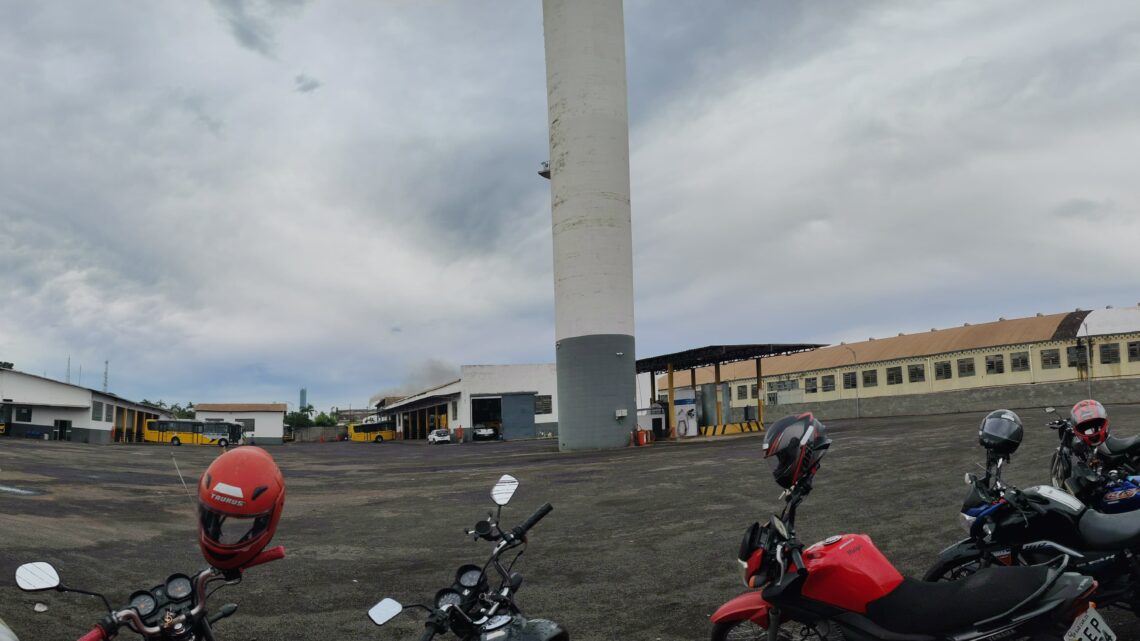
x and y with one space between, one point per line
484 433
439 436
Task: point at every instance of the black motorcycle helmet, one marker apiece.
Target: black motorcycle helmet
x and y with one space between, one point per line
793 447
1001 432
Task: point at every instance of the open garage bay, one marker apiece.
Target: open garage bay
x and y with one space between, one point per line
641 543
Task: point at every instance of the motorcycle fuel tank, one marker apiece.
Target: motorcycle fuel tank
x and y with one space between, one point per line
848 572
1121 496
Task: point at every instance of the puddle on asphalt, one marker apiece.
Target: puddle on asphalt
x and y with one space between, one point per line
19 491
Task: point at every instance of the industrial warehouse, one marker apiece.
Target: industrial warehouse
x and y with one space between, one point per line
512 401
1043 360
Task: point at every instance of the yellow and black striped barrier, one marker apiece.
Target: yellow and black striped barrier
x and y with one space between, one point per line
732 428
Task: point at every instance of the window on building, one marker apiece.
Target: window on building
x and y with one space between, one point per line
109 413
916 373
755 390
1077 355
943 371
809 385
965 367
1050 358
1134 351
772 399
741 392
1019 362
850 380
96 410
870 377
995 364
23 415
894 375
828 383
455 408
1109 353
663 398
544 404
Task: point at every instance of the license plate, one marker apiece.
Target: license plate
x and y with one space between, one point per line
1090 626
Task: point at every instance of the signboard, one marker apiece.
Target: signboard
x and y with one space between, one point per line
685 408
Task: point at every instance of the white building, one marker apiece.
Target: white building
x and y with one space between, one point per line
266 420
37 407
520 401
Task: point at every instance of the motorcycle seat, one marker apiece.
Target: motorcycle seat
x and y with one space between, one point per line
1110 531
1118 446
919 607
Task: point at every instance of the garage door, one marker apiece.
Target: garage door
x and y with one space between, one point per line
518 416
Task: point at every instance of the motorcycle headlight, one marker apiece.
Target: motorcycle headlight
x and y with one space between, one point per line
966 521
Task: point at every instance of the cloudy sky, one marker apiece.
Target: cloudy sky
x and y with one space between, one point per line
233 199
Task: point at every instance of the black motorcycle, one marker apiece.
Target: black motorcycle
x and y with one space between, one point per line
172 611
1015 527
1104 477
470 607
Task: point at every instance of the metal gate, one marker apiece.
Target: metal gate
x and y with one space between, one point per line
518 416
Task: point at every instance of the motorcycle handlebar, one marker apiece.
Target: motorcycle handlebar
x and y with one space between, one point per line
538 515
798 559
96 634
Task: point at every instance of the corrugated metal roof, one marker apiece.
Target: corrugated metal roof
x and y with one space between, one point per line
240 407
1002 332
1123 320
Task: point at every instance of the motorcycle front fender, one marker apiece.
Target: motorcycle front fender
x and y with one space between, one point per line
523 629
749 606
962 550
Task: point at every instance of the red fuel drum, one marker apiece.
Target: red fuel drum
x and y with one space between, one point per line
848 572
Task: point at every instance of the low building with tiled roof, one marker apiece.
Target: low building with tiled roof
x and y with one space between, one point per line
1000 361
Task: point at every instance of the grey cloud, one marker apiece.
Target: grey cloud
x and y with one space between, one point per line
1085 209
196 107
250 21
306 84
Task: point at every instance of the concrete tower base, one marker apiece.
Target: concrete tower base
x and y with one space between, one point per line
599 373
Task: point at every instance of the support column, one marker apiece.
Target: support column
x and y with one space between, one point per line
590 215
672 407
716 397
760 392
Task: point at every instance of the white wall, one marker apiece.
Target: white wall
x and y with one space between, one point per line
25 389
495 380
269 425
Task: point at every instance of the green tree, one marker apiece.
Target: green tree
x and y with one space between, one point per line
324 420
298 419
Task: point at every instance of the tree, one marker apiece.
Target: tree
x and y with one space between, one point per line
324 420
298 419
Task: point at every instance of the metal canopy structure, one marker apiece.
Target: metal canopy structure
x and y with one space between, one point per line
714 355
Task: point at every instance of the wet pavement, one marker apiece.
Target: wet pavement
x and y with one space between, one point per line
641 544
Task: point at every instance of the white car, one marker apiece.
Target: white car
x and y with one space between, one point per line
484 433
439 436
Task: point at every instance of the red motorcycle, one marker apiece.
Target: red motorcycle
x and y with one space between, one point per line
844 588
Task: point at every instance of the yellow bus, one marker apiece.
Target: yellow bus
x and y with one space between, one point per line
373 428
191 432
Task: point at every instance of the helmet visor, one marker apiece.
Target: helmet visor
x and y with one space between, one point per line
1001 427
224 529
1091 427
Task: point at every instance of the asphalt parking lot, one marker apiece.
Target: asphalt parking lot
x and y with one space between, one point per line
641 543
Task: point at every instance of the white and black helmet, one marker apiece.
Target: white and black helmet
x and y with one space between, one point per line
1001 432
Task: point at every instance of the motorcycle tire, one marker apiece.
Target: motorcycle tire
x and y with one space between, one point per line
1057 474
748 631
952 570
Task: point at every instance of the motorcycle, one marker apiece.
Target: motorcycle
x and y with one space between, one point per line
174 610
844 588
1014 527
1105 478
470 608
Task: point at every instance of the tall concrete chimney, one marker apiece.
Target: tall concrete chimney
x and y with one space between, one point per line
593 242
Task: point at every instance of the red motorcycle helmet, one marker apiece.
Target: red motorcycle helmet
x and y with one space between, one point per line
793 447
240 497
1090 422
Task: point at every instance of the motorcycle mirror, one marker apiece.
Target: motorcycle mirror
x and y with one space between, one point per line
33 577
385 611
504 489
